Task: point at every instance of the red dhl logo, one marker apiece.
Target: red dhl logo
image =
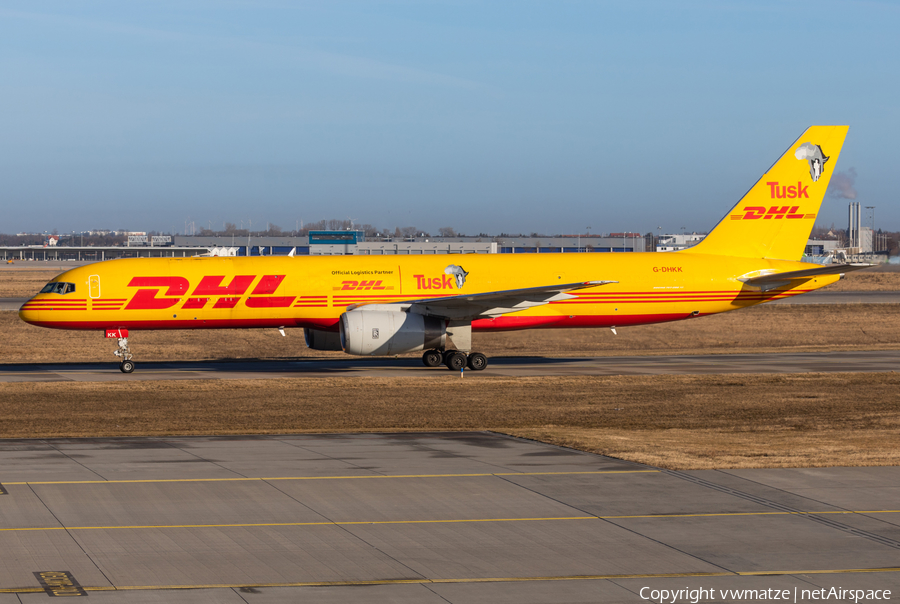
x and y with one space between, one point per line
442 282
779 191
361 285
771 213
227 296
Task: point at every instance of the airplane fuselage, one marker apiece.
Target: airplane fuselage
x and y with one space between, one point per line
313 291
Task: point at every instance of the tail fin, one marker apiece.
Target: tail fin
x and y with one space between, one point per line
774 219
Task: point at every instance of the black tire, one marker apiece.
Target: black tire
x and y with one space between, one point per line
432 358
477 361
455 360
126 366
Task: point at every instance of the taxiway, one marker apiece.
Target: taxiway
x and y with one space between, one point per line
828 362
446 517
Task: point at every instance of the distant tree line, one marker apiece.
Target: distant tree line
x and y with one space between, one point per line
231 229
273 230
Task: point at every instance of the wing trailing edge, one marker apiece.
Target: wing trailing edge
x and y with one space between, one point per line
467 307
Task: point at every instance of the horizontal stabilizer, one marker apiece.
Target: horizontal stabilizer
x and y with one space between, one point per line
776 278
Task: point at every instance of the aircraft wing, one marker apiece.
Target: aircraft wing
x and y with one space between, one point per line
466 307
770 279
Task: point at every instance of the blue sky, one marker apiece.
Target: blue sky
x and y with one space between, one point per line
483 116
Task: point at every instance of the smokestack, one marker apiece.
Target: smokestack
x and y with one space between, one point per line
854 224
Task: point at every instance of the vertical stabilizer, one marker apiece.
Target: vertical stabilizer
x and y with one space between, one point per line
774 219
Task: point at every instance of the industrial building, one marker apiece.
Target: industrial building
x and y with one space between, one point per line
94 253
329 243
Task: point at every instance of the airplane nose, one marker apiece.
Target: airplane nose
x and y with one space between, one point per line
27 315
48 310
30 311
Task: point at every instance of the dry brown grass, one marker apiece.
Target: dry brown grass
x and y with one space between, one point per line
20 282
727 421
867 281
774 328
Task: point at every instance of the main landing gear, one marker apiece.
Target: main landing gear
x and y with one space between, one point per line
455 360
127 365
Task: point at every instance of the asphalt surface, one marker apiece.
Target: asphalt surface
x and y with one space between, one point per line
453 517
828 362
12 303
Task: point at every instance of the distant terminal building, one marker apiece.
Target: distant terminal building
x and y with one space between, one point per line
332 243
673 243
329 243
94 253
335 243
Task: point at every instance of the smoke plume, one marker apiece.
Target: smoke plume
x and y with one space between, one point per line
841 184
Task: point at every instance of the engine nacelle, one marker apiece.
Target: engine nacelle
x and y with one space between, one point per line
368 331
322 340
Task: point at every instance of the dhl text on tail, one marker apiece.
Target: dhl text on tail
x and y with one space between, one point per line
386 305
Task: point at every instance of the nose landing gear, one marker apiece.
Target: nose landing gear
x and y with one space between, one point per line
123 352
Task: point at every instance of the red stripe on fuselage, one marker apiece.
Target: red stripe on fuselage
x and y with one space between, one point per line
498 324
269 301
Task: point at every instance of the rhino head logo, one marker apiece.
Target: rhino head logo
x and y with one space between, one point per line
459 273
813 154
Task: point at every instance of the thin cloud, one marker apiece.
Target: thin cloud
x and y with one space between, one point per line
330 62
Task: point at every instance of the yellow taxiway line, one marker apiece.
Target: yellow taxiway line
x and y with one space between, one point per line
425 581
250 479
434 521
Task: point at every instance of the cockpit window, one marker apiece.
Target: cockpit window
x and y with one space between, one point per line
58 287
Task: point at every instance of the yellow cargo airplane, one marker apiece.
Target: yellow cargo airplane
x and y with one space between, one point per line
388 305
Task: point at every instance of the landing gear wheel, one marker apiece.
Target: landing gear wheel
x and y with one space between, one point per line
477 361
124 353
432 358
455 360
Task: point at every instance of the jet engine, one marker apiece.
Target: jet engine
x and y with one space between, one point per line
386 332
318 339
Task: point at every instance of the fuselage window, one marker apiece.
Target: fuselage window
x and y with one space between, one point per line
58 288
